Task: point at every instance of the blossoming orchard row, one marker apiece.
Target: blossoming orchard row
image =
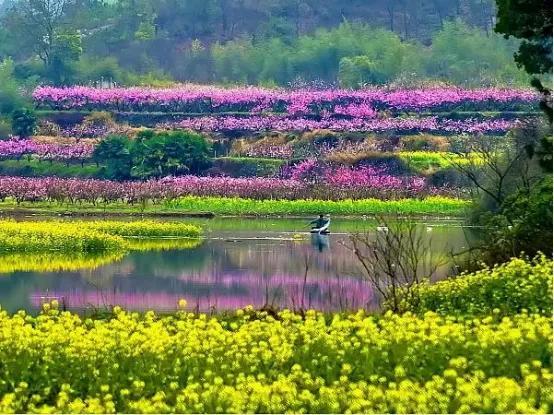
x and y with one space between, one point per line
208 99
15 148
344 184
411 125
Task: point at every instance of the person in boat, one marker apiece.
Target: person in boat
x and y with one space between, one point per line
321 224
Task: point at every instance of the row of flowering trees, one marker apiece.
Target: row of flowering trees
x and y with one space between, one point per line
407 125
17 148
209 99
332 184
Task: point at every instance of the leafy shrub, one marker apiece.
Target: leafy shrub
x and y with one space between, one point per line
523 224
169 153
24 122
510 288
5 128
10 94
115 153
36 168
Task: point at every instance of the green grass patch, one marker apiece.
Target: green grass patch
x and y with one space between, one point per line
37 168
431 161
248 166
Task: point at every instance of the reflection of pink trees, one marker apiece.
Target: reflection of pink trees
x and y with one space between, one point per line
229 292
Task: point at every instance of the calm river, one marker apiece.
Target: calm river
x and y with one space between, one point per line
239 262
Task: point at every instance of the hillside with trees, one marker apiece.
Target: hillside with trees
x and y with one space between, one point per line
270 42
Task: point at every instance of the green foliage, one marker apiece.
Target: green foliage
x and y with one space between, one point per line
252 362
151 42
37 168
169 153
463 55
530 20
5 127
507 289
24 122
528 221
153 154
115 153
10 94
358 71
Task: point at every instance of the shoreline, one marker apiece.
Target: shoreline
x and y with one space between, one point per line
218 207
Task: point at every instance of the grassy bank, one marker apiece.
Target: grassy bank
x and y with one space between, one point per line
439 206
431 206
38 168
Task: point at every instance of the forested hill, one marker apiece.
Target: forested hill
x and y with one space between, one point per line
351 42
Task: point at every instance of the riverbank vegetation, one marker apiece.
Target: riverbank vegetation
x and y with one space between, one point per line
85 236
431 206
319 363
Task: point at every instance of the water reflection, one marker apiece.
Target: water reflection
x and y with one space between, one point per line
231 268
321 242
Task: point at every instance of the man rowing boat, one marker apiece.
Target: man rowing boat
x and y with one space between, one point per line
321 224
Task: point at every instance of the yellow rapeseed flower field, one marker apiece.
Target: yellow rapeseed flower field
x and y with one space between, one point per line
255 362
86 236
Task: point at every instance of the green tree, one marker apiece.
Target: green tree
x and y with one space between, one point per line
358 71
169 153
115 153
10 94
530 21
24 122
466 56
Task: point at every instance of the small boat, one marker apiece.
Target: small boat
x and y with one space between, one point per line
317 231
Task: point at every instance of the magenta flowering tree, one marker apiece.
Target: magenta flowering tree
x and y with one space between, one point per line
253 100
408 125
16 148
338 184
